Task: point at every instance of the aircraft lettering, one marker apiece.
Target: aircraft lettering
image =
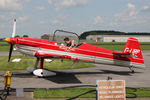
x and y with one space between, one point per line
132 51
66 48
136 51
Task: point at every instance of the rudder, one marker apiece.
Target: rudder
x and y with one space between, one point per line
132 47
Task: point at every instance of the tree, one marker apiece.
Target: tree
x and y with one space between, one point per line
17 36
25 36
46 36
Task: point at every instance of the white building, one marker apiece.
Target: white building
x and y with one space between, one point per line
118 38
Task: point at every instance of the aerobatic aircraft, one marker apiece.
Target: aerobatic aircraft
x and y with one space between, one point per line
130 57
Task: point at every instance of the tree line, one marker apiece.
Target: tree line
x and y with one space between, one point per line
104 32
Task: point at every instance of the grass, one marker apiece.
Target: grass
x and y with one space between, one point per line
30 61
64 93
4 46
119 45
137 92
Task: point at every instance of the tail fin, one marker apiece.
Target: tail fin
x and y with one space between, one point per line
132 47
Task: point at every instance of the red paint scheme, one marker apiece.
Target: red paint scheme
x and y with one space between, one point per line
130 53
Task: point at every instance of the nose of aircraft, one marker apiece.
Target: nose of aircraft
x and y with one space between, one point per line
7 40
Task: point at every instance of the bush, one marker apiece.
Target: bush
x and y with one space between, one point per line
113 41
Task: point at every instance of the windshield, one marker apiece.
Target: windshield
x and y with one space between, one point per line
60 35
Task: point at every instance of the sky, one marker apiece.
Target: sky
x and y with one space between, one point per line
38 17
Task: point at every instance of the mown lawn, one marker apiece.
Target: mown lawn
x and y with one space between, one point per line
135 92
64 93
119 45
27 61
4 46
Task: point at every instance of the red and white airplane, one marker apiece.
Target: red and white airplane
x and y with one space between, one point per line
130 57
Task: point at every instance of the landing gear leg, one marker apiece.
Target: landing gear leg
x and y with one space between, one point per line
43 72
37 62
41 63
75 62
31 69
131 68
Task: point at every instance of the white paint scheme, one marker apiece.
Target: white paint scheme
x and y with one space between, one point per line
43 72
14 29
26 50
31 51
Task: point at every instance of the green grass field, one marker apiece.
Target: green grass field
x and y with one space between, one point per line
4 46
87 93
119 45
30 61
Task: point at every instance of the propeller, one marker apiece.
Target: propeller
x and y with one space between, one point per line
10 41
10 52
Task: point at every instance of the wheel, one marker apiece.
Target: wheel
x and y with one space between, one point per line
132 71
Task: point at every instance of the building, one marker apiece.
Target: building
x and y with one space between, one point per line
47 37
117 38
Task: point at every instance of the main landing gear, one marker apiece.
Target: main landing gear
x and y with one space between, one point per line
131 68
40 72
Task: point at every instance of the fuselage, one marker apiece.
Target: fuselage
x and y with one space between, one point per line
84 52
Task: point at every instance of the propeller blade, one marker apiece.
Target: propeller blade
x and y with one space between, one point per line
10 51
14 29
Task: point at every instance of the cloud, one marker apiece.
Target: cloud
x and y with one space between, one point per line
98 20
131 6
7 16
131 17
40 8
67 3
50 1
42 22
23 18
2 16
12 13
28 0
58 20
145 8
127 15
10 5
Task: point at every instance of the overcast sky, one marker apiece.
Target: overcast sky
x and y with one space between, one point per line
38 17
